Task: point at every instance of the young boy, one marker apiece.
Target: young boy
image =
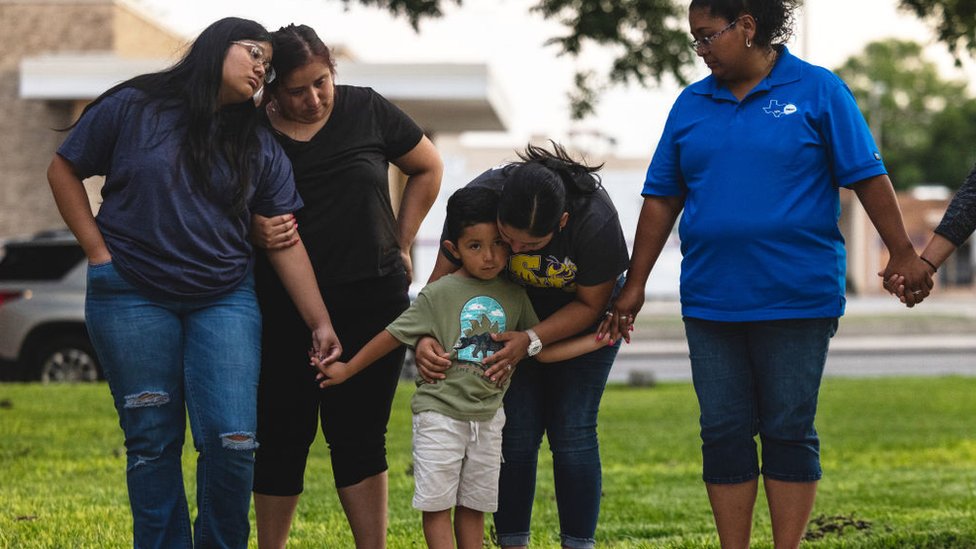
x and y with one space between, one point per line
457 424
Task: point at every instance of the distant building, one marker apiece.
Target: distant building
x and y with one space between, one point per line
120 34
922 209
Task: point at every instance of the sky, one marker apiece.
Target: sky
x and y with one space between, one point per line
511 40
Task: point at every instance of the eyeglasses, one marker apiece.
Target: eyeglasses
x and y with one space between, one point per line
257 55
706 42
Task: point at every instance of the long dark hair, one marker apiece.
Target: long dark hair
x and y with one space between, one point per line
296 46
191 86
774 18
543 186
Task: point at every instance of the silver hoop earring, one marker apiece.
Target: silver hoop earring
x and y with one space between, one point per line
748 43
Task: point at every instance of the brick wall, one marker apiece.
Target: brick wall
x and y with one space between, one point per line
27 140
27 137
136 35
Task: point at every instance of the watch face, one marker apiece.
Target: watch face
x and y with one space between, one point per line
534 348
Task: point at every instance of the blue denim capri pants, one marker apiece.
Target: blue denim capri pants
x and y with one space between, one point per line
760 378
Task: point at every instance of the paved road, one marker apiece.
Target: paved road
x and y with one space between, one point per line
849 356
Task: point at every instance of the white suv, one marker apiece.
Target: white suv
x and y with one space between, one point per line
42 310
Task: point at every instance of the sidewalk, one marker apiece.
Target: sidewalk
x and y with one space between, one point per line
839 345
955 304
873 323
877 337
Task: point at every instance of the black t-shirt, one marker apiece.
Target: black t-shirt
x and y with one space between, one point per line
348 224
588 251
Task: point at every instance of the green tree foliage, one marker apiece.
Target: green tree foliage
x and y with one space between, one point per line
954 21
650 37
413 10
915 111
952 153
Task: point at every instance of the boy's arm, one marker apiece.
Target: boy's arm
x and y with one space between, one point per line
571 348
338 372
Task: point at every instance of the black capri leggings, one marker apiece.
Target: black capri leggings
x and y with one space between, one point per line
353 415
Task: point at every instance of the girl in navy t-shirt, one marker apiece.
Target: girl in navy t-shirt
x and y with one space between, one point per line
171 307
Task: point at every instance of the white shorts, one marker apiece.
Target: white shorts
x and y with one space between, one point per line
456 463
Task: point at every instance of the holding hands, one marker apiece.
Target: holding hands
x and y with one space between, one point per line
325 344
324 353
330 373
619 319
502 362
909 279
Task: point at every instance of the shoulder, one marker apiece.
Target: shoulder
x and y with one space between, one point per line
354 92
122 99
127 95
510 287
357 97
493 178
816 75
125 107
437 286
595 205
266 138
270 149
705 86
793 69
693 97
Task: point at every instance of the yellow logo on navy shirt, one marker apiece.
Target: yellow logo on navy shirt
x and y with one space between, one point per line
554 274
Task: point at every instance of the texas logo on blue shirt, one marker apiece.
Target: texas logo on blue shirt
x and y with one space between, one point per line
778 109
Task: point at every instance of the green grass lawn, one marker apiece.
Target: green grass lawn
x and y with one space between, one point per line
899 457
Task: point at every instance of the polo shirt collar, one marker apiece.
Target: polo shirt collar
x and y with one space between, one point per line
787 69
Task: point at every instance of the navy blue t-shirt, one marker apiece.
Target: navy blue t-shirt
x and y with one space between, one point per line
165 233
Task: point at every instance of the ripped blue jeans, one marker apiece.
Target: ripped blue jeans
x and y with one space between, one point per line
165 360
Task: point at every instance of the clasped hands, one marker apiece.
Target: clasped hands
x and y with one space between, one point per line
909 278
433 360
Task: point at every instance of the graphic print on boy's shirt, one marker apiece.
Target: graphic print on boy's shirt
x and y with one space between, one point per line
480 317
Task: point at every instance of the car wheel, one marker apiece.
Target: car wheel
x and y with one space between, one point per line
65 359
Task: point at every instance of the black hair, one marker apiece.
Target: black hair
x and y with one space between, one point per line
774 18
192 86
470 206
543 186
296 46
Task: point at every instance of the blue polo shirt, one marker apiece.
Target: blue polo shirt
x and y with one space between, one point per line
167 235
760 179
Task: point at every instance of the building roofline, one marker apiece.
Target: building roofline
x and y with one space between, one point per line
440 96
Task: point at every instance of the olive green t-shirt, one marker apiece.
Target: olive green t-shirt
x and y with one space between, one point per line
461 312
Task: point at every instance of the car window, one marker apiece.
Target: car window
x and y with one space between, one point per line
33 262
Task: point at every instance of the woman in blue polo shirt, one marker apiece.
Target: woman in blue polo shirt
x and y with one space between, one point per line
754 155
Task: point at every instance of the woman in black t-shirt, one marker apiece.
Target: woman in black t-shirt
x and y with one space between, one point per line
340 140
568 251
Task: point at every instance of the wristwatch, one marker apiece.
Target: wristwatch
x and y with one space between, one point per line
535 344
